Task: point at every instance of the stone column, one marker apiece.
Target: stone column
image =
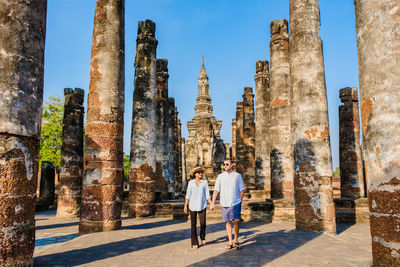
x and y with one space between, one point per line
233 152
177 133
143 140
161 126
378 43
179 154
47 186
262 150
315 210
71 165
249 135
171 145
350 158
280 113
184 176
22 42
239 139
103 162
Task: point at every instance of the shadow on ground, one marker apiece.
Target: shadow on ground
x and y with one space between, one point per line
270 245
113 249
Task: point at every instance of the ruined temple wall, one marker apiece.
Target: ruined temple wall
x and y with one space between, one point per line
350 157
22 45
143 138
233 148
103 161
71 163
262 147
315 210
378 44
281 152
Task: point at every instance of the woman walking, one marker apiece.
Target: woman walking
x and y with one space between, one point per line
197 195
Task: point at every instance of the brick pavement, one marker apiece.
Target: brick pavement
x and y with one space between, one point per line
160 242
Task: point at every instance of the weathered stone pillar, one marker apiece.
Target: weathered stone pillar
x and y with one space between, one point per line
143 140
280 113
47 186
171 145
315 210
103 162
177 148
350 158
233 151
184 175
161 127
249 135
239 139
71 165
22 42
262 150
378 43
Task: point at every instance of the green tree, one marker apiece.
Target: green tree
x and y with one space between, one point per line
126 168
51 134
336 171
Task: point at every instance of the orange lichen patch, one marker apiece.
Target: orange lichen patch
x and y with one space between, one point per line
325 133
314 133
311 133
366 107
378 150
279 102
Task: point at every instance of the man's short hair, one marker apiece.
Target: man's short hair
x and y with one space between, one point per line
228 159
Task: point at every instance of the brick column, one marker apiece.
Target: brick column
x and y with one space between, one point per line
171 145
280 113
22 41
239 158
350 158
71 166
378 43
262 149
143 140
315 210
161 126
233 150
249 139
103 162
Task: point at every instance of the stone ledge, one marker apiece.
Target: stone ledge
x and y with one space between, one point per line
352 210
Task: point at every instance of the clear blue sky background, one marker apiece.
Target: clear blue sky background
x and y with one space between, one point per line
232 35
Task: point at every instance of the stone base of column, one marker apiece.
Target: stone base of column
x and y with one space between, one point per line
283 210
142 193
68 204
256 195
86 227
352 210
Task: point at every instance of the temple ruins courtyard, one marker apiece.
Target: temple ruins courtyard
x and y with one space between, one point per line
165 242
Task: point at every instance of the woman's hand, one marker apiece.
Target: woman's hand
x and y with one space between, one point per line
185 209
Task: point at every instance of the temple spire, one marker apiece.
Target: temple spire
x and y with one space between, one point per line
203 74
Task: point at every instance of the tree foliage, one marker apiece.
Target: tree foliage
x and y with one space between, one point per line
126 168
336 171
51 134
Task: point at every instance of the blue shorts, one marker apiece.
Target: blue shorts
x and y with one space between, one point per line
231 213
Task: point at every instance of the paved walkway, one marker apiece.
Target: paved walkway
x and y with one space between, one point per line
158 242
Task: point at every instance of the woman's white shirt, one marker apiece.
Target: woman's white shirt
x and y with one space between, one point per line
197 194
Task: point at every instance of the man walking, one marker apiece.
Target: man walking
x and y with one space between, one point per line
231 187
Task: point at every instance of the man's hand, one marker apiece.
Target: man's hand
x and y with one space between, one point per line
185 209
212 207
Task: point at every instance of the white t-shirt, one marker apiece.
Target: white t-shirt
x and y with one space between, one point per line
229 186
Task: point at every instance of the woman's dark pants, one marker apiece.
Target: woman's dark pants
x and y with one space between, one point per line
193 220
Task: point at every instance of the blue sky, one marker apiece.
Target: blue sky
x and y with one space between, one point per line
232 35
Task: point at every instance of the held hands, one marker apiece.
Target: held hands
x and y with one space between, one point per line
212 207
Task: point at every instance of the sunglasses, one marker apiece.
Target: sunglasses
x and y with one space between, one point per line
226 164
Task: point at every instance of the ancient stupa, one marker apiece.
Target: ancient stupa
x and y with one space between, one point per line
204 146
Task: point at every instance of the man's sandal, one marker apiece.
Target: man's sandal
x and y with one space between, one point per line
203 242
237 246
229 247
